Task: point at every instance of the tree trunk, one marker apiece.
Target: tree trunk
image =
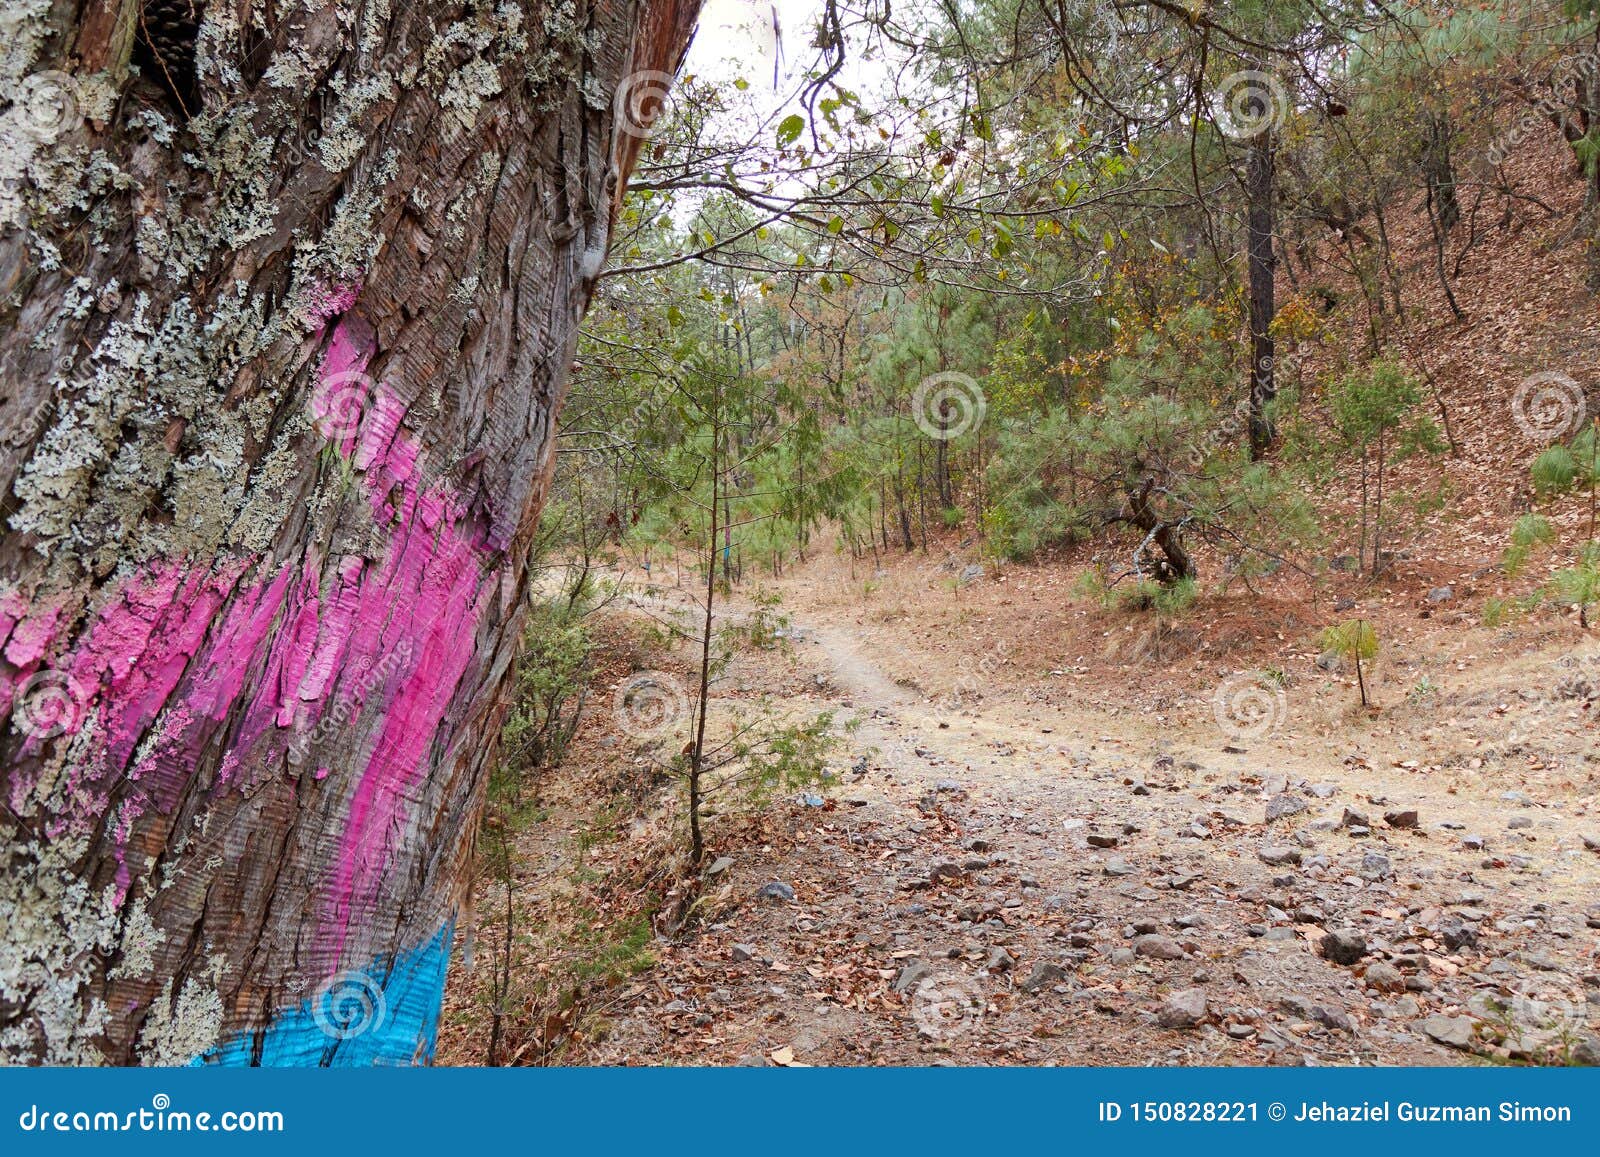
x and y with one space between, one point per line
1439 170
283 380
1262 270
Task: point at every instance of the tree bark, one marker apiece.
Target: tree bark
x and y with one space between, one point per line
1262 271
280 373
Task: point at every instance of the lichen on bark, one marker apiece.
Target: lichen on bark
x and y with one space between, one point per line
399 209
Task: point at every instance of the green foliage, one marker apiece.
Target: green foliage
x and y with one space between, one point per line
1423 691
1379 402
612 954
1528 534
1160 447
1580 585
1554 471
1165 599
1352 640
551 686
764 755
1497 611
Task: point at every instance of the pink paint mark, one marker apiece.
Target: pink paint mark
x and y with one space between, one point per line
171 651
140 644
30 632
420 606
299 638
330 300
343 391
333 631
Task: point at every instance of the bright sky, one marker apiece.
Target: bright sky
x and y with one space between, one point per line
737 37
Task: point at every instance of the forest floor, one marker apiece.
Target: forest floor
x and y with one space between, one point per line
1061 835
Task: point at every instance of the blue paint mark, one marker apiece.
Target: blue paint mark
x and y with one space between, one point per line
385 1014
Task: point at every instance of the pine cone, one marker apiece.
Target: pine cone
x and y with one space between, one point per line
167 33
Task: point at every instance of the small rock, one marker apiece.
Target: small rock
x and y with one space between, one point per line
1457 933
912 975
1441 594
1158 947
1100 841
945 870
1278 855
740 953
1375 867
1043 973
1117 866
1406 818
722 864
1354 819
1385 977
1000 961
1519 822
1455 1031
1283 805
1342 945
1183 1009
776 890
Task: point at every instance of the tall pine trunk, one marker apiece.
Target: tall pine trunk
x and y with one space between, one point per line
282 349
1262 269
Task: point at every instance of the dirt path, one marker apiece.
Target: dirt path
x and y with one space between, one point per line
1040 882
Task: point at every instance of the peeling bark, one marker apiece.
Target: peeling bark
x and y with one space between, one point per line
278 393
